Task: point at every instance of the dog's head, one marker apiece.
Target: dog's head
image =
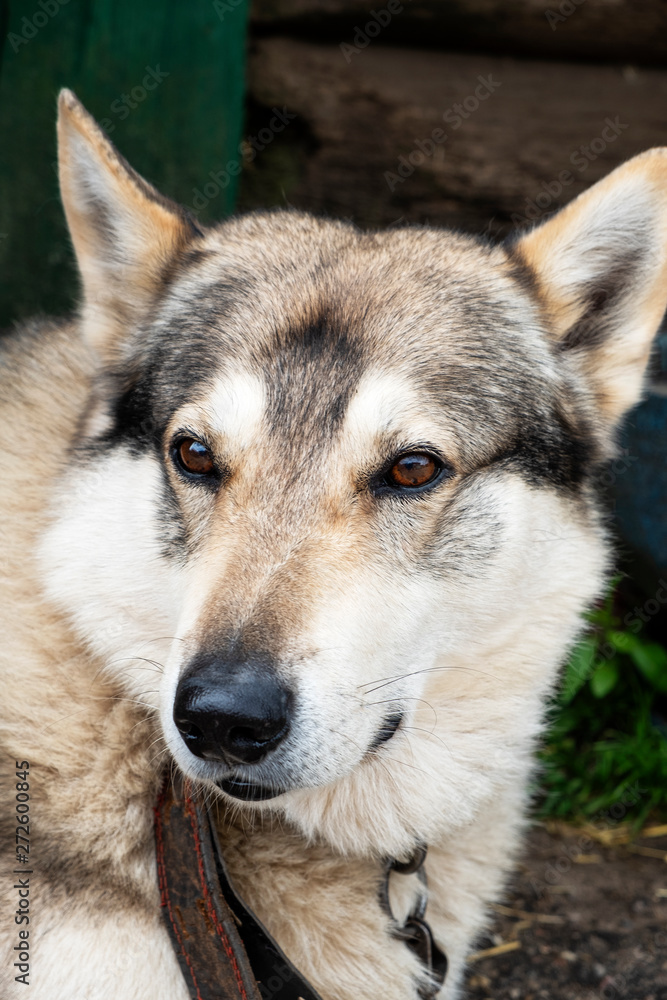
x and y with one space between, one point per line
330 510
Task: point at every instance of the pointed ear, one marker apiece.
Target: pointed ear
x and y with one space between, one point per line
600 267
125 234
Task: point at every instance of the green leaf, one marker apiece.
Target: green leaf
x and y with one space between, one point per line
578 669
624 642
651 659
605 678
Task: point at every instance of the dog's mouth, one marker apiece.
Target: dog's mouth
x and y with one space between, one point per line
248 791
386 731
252 791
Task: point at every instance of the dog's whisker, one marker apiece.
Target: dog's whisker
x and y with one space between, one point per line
381 755
400 701
428 732
143 662
139 722
404 763
160 752
157 756
159 738
346 736
70 715
372 753
426 670
164 638
93 697
385 682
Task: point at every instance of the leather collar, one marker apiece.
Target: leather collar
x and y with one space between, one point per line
224 952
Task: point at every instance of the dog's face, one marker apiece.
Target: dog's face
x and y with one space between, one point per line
330 511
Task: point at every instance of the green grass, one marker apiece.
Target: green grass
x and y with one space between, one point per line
605 757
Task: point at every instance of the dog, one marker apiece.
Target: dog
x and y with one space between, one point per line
310 515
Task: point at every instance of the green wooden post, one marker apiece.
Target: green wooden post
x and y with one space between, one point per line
165 78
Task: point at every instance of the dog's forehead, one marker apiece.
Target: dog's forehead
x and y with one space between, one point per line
341 327
294 277
303 295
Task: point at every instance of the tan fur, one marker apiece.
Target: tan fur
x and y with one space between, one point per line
351 597
92 774
154 229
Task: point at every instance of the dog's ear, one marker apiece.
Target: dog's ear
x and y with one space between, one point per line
600 266
125 234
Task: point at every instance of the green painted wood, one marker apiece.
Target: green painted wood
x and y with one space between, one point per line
165 78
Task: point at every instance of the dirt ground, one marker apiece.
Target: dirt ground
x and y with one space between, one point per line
581 921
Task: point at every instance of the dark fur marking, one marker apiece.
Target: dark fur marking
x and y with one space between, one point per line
180 265
520 272
171 365
134 422
554 453
192 257
601 299
517 419
311 372
174 531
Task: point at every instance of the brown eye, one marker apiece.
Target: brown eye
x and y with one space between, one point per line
413 470
194 457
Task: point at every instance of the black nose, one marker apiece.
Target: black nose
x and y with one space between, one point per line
231 712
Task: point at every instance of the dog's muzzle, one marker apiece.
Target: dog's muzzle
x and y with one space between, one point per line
232 712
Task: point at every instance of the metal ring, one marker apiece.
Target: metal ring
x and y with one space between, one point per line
413 864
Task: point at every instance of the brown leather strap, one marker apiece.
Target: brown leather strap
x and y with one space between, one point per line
225 953
202 928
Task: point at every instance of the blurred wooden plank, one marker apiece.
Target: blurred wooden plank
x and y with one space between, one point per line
533 142
625 30
165 78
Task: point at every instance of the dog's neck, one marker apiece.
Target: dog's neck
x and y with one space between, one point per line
258 848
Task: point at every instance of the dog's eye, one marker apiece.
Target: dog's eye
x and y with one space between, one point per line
414 470
194 457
